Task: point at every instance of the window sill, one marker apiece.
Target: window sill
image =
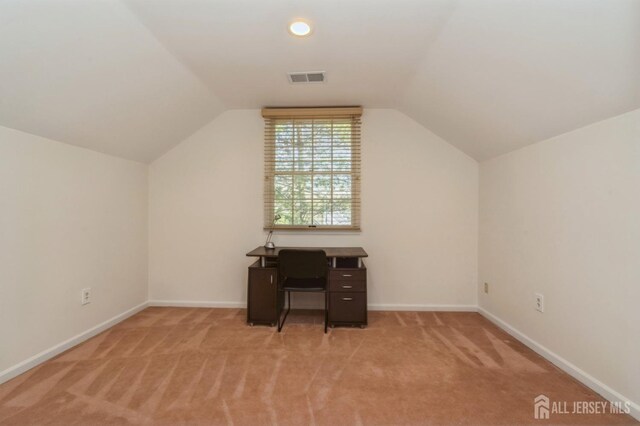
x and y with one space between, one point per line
315 228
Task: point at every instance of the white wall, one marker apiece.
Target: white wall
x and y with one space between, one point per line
419 214
69 219
562 218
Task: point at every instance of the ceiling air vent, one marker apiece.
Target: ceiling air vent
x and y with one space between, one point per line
306 77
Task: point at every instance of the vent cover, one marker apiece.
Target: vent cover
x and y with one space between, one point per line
307 77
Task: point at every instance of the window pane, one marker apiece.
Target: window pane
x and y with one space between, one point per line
341 186
342 212
303 147
342 166
302 187
321 166
302 212
322 130
341 152
341 128
322 213
322 187
283 208
284 146
322 149
283 187
284 133
342 157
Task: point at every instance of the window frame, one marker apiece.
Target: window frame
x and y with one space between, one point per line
273 116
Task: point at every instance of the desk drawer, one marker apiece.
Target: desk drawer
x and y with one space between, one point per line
348 274
349 286
348 307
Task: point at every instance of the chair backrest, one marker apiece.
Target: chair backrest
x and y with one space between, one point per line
302 263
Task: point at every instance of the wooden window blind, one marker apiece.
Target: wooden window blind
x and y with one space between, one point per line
312 168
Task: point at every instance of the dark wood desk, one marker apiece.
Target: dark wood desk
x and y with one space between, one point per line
333 253
347 286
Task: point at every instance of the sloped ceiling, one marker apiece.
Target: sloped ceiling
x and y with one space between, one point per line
90 74
133 78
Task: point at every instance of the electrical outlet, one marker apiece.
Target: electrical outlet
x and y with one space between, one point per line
86 296
486 288
539 302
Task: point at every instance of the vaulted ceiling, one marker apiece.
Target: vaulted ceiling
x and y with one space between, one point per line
133 78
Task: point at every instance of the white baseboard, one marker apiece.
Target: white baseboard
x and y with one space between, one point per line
197 304
566 366
307 305
435 308
35 360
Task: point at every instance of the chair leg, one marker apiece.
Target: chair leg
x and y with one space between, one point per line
279 314
281 324
326 312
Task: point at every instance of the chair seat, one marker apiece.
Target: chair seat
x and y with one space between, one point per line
304 284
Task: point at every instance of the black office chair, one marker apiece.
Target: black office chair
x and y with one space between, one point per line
302 271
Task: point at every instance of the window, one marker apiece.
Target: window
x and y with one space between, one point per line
312 168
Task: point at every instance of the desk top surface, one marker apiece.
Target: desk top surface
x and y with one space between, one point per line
331 251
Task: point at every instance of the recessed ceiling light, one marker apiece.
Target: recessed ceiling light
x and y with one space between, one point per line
299 28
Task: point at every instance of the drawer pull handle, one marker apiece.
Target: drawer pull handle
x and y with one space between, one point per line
347 299
346 275
271 279
347 286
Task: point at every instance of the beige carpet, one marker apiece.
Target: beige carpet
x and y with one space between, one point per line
184 366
